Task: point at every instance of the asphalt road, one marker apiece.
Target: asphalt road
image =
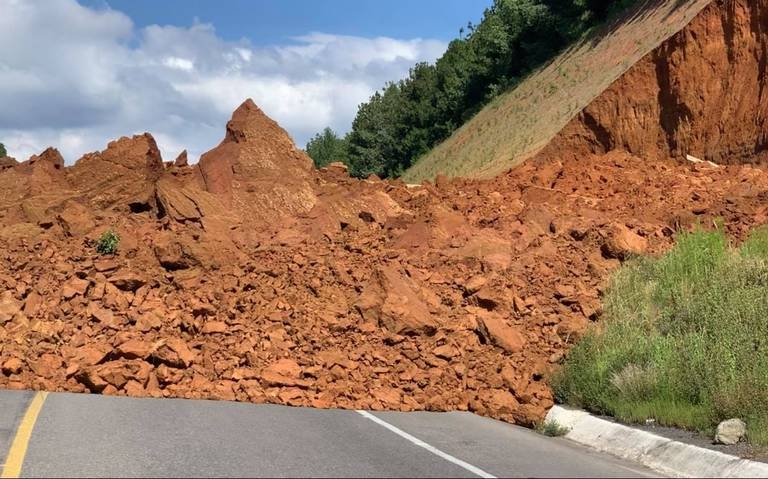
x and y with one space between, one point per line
99 436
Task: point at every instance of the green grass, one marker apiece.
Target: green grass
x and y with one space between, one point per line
684 339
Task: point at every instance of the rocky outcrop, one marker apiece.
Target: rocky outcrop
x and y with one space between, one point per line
257 170
120 178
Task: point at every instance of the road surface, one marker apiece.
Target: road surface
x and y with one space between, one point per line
78 435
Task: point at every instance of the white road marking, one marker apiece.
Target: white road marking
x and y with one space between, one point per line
473 469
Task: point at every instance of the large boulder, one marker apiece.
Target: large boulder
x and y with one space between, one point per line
122 177
391 301
621 242
730 431
493 329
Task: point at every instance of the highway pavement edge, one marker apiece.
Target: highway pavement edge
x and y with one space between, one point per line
666 456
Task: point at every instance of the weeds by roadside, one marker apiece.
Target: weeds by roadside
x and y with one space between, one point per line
684 340
552 429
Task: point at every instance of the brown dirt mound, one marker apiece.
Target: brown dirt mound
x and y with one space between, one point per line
253 277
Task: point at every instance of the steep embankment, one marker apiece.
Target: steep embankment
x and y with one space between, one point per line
702 92
522 121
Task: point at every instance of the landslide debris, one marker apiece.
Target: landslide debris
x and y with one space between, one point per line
251 276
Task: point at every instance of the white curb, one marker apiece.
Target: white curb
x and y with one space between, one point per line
664 455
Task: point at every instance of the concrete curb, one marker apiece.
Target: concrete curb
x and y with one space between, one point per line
672 458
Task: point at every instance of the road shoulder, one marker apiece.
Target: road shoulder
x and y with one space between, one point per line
661 454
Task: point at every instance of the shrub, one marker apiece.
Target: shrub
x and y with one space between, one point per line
108 242
552 429
684 339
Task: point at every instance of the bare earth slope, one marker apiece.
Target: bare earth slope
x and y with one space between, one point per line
702 92
253 277
522 121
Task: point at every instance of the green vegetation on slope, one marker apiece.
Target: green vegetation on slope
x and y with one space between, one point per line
407 118
325 147
3 153
684 339
108 242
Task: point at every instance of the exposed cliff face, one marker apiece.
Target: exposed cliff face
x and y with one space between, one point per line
702 92
518 124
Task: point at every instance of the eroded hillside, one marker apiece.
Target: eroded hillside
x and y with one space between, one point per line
701 93
522 121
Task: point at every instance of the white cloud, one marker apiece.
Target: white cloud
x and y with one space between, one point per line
179 63
76 78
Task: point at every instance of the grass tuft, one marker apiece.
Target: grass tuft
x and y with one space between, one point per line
552 429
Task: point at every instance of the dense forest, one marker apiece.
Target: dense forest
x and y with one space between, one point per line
407 118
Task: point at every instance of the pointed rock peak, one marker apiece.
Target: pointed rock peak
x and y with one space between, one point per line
181 160
249 123
50 156
248 104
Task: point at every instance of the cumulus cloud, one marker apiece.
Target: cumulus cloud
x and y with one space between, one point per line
75 78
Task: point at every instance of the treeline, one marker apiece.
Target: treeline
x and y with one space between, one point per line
3 153
407 118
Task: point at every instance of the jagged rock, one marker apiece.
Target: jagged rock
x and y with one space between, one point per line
9 307
122 176
75 219
493 328
621 242
50 156
12 366
284 372
128 281
174 352
392 302
136 349
257 159
181 160
172 254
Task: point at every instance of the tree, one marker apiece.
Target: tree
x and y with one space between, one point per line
406 118
326 147
3 153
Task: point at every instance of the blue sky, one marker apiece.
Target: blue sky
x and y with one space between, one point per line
78 74
271 21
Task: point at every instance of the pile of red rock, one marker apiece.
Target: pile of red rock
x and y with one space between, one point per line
251 276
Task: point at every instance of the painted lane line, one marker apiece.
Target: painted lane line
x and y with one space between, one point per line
15 459
469 467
